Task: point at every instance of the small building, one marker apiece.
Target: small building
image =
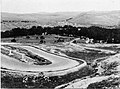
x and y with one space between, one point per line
83 40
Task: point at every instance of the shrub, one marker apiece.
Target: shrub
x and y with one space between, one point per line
27 37
13 40
109 67
110 83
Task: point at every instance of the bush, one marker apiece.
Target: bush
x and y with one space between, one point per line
42 81
110 83
41 41
42 37
13 40
109 67
27 37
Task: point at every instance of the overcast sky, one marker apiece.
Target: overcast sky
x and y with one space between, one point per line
34 6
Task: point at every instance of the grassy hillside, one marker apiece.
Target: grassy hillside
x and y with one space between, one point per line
39 16
111 18
12 20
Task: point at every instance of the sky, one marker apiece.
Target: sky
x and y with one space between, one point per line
36 6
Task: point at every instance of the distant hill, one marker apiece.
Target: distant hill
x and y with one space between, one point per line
12 20
39 17
111 18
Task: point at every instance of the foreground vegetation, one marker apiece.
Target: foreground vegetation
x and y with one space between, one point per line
17 80
110 83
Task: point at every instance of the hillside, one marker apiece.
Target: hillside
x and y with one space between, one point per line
12 20
111 18
40 17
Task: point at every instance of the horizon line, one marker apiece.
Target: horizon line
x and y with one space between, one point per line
56 12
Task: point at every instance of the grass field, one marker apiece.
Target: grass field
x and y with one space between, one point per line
35 39
88 57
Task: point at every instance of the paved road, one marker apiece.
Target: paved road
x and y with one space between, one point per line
59 63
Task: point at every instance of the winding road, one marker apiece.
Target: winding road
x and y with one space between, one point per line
60 65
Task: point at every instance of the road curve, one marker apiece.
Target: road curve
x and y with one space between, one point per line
60 65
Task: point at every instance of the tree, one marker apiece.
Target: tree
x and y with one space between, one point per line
13 40
42 39
27 37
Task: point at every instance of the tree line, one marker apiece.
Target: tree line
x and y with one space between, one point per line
93 32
